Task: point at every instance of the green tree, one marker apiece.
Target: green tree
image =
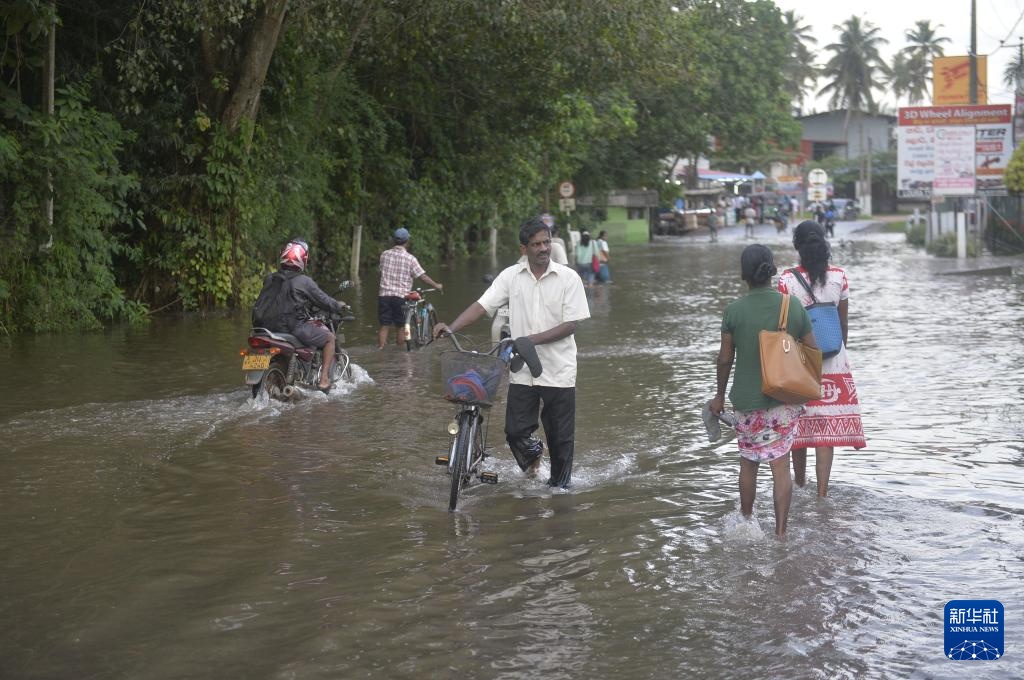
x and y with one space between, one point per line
901 75
799 69
923 46
1015 171
1013 74
856 68
727 98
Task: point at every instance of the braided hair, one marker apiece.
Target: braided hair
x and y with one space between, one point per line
809 241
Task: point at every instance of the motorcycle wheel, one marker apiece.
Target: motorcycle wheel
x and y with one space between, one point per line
274 379
342 368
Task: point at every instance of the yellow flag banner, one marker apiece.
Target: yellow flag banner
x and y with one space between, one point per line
951 77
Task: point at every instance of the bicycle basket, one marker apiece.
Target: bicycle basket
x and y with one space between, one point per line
471 378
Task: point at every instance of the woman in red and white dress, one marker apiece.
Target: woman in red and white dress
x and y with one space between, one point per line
834 420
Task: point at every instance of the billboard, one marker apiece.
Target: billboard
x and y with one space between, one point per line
953 161
951 77
953 150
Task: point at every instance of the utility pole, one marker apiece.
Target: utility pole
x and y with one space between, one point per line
973 84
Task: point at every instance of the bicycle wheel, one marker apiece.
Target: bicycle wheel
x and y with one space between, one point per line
463 441
429 321
476 451
412 326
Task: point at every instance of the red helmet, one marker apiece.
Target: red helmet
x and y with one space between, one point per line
295 255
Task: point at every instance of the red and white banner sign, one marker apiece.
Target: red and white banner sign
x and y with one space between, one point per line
953 150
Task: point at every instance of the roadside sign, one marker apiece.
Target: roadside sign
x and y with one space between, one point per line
953 150
566 189
817 178
567 205
816 193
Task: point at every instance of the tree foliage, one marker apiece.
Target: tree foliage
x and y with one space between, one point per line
192 137
800 71
911 69
1015 171
856 67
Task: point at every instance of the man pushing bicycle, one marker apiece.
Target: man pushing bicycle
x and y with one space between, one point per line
546 300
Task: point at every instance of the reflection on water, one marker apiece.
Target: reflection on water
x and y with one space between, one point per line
158 524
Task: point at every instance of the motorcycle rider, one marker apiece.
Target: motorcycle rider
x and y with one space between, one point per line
305 294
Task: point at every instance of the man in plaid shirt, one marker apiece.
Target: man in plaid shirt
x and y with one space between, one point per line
398 267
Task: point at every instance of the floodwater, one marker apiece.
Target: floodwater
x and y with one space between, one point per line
157 524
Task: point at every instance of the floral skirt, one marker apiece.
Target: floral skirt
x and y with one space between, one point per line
766 434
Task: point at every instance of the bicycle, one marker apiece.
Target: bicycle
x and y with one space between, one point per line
420 318
471 379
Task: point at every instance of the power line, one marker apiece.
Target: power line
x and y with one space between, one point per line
1012 28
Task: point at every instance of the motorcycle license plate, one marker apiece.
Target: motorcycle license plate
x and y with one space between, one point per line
255 362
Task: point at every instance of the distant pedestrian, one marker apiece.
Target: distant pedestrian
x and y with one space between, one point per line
398 268
830 220
559 253
585 253
605 275
834 420
749 214
713 223
765 427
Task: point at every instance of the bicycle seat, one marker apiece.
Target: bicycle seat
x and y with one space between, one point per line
413 296
526 353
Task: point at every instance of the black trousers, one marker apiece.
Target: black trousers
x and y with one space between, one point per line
557 407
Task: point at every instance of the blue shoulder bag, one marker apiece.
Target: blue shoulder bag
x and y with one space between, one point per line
828 333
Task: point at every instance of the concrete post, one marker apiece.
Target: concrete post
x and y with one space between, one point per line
961 236
357 243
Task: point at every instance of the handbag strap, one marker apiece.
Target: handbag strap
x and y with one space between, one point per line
806 285
784 312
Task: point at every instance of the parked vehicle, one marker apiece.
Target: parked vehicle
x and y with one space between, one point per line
279 364
846 208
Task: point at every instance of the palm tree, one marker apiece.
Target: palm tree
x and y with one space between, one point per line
855 68
909 75
923 46
923 41
899 75
1013 76
800 71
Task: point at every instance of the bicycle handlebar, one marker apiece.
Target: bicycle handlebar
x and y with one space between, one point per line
522 352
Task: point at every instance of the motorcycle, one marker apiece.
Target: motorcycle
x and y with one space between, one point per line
279 363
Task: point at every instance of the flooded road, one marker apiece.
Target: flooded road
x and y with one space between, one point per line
158 524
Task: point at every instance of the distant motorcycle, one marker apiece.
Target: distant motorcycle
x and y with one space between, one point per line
851 211
280 364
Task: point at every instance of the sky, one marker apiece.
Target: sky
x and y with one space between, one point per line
997 20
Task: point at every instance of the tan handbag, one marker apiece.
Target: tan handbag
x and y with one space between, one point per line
790 370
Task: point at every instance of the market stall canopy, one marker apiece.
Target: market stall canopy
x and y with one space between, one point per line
723 176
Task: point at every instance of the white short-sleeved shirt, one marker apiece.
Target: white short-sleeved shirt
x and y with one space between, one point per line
538 305
558 253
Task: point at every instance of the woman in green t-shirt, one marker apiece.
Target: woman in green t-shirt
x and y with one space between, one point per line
765 427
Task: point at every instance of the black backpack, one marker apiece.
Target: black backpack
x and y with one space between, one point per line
275 307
